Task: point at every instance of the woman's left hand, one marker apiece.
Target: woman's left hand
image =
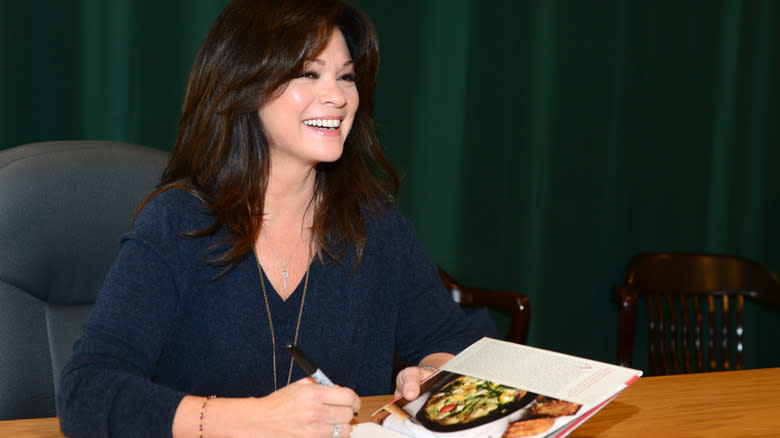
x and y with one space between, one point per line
407 383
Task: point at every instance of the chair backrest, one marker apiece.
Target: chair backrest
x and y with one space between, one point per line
513 304
695 309
63 206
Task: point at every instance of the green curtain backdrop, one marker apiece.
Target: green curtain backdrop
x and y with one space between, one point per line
542 142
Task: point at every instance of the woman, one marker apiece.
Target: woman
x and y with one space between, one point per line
272 224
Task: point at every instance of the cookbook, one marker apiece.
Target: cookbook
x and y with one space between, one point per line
500 389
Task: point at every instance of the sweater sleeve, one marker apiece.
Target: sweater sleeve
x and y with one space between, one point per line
107 387
429 320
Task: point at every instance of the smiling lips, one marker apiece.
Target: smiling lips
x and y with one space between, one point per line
323 123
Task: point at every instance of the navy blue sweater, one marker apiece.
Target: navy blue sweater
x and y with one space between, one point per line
164 327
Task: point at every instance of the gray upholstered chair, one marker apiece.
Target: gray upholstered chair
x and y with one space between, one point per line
63 206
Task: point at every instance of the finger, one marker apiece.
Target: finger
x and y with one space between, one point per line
408 383
337 396
402 377
335 414
352 401
411 390
356 406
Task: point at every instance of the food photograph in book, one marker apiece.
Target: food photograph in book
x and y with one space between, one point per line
457 406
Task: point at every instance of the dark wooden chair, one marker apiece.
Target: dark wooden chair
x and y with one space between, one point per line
695 309
513 304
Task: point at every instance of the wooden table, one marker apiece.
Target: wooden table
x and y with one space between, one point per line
722 404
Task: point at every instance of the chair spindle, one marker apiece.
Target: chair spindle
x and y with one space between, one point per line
685 328
711 332
724 333
672 327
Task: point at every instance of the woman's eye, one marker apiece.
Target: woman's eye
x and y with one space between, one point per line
349 77
308 74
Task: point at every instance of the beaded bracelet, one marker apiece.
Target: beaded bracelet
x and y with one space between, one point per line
202 410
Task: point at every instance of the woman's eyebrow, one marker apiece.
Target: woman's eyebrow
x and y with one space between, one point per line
322 61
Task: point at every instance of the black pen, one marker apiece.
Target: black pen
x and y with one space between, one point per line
311 369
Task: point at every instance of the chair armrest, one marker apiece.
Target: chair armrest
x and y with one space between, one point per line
516 304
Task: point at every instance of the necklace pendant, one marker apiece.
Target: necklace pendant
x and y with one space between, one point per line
284 279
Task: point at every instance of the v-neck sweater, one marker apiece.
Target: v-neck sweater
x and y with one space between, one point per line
167 324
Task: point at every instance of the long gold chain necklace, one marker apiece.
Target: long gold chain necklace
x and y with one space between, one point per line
271 322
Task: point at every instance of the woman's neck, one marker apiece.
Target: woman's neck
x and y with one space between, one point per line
288 198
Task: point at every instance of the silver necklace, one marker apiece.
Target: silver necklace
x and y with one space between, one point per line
271 322
285 274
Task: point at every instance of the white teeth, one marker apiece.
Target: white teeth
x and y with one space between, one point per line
323 123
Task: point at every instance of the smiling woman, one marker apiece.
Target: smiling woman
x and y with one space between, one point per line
272 224
310 120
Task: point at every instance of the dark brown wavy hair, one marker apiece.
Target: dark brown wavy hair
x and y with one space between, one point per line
221 153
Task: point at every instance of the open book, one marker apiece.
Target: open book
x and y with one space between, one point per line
500 389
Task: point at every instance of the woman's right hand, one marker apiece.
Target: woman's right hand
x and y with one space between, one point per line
301 409
307 409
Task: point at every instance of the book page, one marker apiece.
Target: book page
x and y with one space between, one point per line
373 430
498 389
554 374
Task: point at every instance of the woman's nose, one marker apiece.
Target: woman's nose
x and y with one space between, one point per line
332 94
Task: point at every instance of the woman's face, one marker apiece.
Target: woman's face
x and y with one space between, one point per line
310 120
